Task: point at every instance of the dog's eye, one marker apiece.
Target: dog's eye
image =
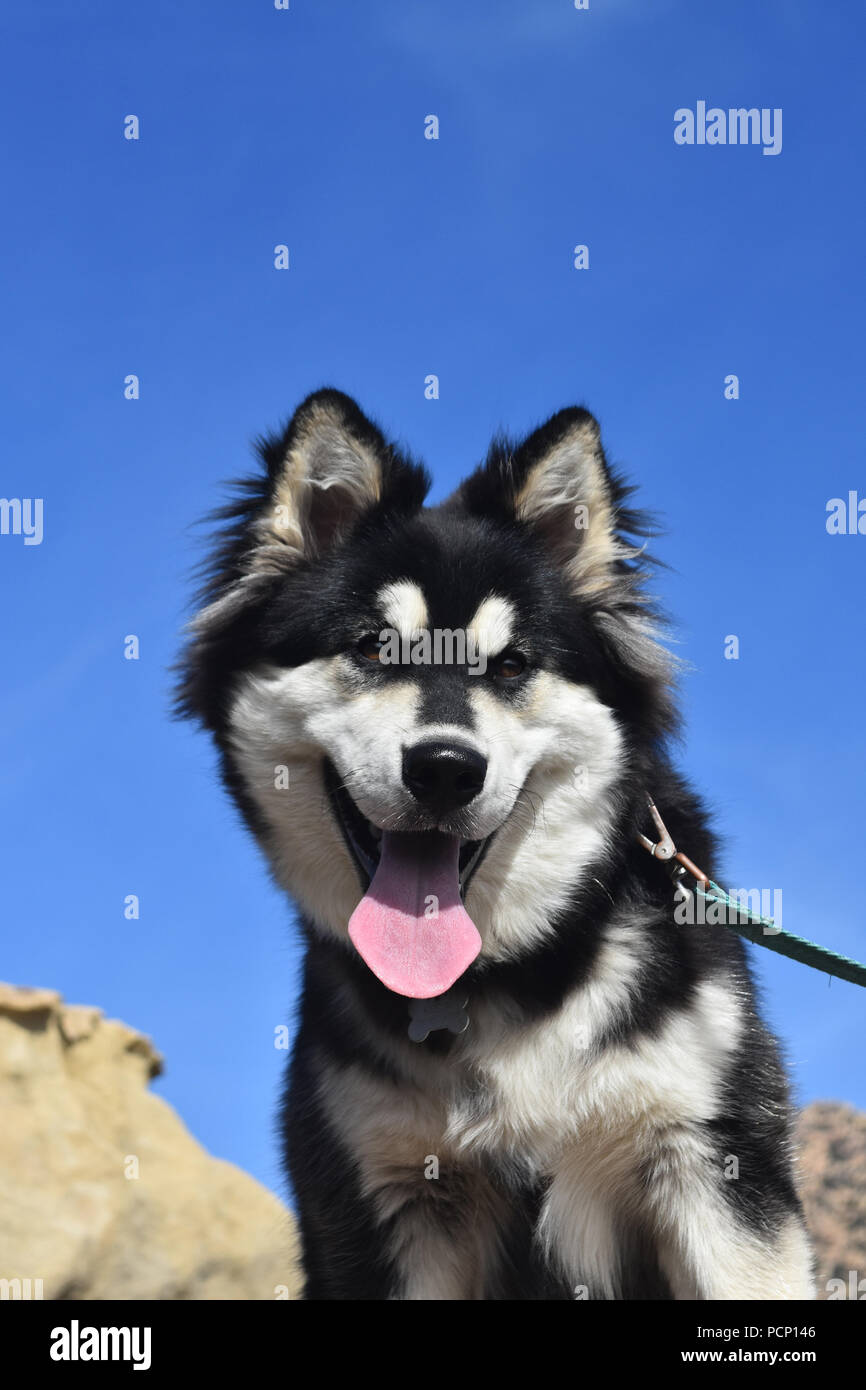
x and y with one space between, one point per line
509 665
370 647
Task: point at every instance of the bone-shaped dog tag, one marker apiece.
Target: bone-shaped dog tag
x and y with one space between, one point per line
447 1010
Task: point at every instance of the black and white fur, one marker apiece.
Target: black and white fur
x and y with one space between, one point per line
615 1063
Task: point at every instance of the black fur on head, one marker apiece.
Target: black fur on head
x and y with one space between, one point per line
336 510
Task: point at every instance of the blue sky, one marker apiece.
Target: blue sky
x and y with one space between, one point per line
410 257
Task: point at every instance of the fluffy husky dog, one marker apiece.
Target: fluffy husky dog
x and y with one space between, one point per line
515 1075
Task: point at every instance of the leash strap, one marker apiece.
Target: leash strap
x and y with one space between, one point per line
760 931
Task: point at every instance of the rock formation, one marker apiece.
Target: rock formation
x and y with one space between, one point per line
103 1191
105 1194
832 1141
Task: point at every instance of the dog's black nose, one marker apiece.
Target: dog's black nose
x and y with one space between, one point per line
443 776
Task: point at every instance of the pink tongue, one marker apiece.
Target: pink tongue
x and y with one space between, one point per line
411 927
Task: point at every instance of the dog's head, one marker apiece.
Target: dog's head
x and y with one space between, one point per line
443 701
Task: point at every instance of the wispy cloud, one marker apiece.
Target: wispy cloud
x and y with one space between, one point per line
504 33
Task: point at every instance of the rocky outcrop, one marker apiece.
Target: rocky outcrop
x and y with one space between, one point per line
832 1143
103 1191
105 1194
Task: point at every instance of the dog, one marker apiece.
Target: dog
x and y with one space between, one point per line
516 1075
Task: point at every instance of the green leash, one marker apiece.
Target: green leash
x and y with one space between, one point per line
760 931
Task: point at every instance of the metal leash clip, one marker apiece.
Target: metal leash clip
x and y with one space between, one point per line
678 863
785 943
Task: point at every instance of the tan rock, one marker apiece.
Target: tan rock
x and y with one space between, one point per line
832 1142
77 1122
103 1191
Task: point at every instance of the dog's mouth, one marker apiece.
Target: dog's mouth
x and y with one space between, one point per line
411 926
364 839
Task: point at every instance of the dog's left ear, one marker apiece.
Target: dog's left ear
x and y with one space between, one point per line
557 482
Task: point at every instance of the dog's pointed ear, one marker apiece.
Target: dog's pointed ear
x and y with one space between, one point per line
557 483
329 466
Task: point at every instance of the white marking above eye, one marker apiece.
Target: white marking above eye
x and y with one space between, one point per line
403 607
493 625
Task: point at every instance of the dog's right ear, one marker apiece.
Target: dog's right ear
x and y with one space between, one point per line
328 468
